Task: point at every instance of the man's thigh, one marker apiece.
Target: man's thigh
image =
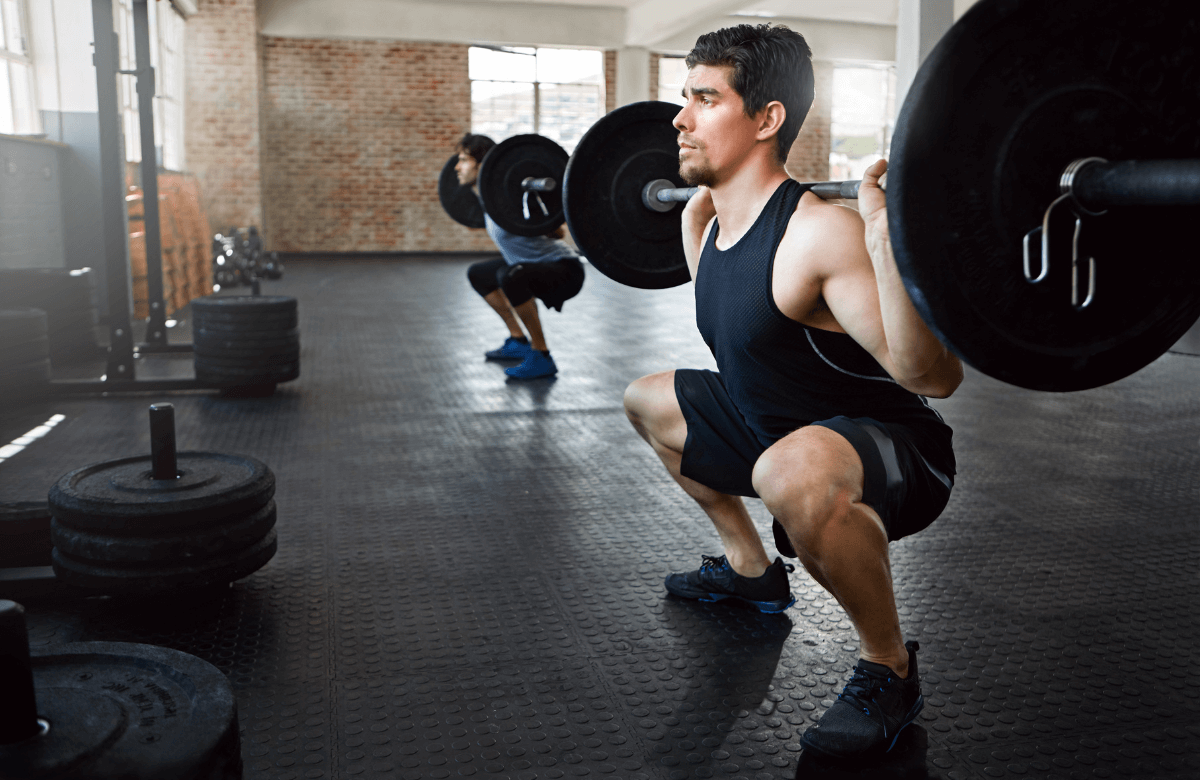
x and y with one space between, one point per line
651 400
882 465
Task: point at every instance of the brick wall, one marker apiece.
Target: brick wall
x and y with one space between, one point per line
808 159
222 109
654 58
355 135
610 80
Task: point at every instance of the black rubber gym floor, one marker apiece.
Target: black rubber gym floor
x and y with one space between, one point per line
469 576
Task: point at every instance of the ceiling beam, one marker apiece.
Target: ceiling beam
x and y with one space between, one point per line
510 23
652 21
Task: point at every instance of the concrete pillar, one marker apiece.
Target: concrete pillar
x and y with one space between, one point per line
921 24
633 75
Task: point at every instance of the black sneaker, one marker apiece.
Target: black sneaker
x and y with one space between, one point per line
871 711
716 580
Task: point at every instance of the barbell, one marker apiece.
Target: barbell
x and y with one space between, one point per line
1044 164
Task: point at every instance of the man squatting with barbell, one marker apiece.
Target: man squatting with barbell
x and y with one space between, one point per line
529 268
818 407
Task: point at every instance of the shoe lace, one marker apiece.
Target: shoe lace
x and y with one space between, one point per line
861 689
713 562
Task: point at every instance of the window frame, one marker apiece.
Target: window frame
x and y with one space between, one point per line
25 60
536 83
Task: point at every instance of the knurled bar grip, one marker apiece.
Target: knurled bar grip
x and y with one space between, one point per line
1099 185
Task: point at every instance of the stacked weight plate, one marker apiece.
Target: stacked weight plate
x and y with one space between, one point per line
24 534
24 353
116 529
245 341
69 299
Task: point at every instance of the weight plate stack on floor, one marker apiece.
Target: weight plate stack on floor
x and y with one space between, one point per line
163 523
69 299
246 341
24 353
24 534
107 710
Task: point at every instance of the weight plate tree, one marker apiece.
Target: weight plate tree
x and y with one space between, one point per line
246 342
1012 95
164 522
602 197
461 203
506 198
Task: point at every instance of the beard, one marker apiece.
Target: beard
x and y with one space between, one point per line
697 174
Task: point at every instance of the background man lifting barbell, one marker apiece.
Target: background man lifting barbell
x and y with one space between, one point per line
823 361
530 267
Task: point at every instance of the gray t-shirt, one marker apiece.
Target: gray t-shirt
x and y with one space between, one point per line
527 249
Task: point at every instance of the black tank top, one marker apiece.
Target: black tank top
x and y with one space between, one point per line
781 374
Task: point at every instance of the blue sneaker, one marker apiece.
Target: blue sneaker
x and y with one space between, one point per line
716 580
535 365
513 348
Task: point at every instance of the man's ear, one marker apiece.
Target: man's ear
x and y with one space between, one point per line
770 120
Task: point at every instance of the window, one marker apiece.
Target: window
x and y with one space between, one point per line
558 93
166 57
18 114
672 72
863 118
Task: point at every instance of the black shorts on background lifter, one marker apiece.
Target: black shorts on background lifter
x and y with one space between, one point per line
905 490
554 282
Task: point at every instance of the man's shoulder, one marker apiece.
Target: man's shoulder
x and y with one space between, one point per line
823 228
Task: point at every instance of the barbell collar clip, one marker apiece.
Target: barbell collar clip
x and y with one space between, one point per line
1095 184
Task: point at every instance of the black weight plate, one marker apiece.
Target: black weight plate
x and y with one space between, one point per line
248 306
166 544
226 330
130 711
24 534
220 342
24 351
22 375
1011 95
22 325
461 203
120 497
602 197
500 175
239 324
161 577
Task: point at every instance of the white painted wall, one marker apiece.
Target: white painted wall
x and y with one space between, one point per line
633 75
828 40
657 25
922 23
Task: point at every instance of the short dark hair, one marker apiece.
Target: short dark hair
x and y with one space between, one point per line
476 145
769 62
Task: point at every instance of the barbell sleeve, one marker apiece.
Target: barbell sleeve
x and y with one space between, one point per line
1097 184
659 195
531 184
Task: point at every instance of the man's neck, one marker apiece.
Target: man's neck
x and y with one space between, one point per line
741 198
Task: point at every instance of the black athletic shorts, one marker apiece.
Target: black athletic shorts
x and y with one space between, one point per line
720 452
555 282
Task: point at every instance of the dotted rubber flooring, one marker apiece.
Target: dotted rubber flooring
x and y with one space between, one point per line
469 575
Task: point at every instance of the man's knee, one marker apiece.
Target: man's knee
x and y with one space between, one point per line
650 404
805 487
